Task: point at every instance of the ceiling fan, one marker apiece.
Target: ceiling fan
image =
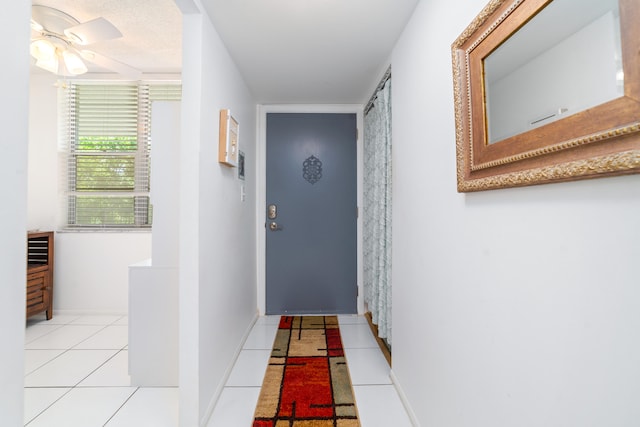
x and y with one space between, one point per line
58 43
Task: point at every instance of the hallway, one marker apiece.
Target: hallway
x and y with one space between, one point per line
76 375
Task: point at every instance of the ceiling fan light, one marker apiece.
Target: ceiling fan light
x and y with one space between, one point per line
73 63
50 64
42 50
35 26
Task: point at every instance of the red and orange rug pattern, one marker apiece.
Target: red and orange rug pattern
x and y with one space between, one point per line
307 382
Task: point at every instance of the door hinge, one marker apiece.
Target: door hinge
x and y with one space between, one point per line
357 212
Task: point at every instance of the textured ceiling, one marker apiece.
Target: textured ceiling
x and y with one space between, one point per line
288 51
152 31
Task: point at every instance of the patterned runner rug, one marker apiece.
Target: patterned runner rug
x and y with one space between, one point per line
307 382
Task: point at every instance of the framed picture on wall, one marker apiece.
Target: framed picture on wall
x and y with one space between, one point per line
228 144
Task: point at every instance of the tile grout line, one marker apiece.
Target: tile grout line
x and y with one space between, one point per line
67 350
99 366
91 336
43 335
50 405
242 386
62 326
48 361
121 406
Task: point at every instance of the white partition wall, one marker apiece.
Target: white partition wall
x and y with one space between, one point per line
13 208
153 284
217 219
165 182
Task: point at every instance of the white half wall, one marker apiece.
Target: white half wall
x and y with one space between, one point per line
516 307
153 285
91 270
13 208
153 325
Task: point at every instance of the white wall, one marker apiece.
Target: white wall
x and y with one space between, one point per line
217 229
91 270
13 208
165 183
515 307
43 193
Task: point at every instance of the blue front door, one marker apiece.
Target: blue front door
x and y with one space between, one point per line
311 250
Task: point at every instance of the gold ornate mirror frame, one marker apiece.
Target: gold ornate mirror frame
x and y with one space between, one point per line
600 141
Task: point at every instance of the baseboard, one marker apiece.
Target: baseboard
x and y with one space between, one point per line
216 396
89 312
403 398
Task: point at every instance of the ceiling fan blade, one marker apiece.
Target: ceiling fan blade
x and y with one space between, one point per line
96 30
50 20
111 64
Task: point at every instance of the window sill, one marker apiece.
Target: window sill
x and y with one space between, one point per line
104 230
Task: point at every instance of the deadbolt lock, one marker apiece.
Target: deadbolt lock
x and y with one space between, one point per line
272 211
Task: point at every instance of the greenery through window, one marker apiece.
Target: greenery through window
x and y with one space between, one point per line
109 153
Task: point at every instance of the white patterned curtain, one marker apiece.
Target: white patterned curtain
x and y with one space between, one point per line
377 211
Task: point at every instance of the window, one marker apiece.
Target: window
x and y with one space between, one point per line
108 138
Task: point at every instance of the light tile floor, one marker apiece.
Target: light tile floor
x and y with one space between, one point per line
76 375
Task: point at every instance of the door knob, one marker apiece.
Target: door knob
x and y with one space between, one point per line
273 226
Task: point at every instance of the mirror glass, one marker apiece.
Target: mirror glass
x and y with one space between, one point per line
565 60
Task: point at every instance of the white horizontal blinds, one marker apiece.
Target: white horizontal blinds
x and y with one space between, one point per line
108 126
142 214
66 136
66 115
107 149
165 92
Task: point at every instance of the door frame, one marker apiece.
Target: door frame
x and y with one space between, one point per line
261 188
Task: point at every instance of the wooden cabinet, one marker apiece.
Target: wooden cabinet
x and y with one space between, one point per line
40 273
